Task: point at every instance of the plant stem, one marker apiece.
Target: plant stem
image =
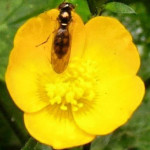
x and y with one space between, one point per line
92 7
147 83
87 146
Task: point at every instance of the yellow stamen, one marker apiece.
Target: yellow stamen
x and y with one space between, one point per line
74 86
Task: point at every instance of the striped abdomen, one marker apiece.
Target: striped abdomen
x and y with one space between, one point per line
61 42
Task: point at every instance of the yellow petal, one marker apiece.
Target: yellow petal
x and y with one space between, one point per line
29 63
115 103
55 128
110 44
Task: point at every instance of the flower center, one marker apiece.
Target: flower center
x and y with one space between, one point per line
75 86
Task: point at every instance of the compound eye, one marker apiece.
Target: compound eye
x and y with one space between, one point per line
66 6
61 6
71 6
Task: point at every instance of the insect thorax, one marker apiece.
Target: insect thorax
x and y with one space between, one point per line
64 17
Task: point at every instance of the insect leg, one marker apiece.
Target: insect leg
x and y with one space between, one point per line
43 42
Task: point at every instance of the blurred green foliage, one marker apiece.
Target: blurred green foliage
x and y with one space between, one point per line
118 7
135 134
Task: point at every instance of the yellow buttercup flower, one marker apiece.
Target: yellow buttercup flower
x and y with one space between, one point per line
97 93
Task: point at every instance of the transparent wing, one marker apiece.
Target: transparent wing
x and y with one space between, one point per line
60 64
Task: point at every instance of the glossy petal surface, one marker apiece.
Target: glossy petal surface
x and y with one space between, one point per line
115 103
110 44
56 128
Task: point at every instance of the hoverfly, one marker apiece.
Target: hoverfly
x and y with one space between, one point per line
60 53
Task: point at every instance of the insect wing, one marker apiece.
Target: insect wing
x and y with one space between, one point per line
60 64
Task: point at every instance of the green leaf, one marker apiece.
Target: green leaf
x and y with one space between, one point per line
12 114
82 9
96 6
118 7
32 144
7 134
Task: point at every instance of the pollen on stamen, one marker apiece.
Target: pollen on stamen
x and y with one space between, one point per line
73 87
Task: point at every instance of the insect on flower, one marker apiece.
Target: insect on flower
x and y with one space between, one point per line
60 53
82 83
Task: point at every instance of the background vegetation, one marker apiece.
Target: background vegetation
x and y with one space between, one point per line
135 135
